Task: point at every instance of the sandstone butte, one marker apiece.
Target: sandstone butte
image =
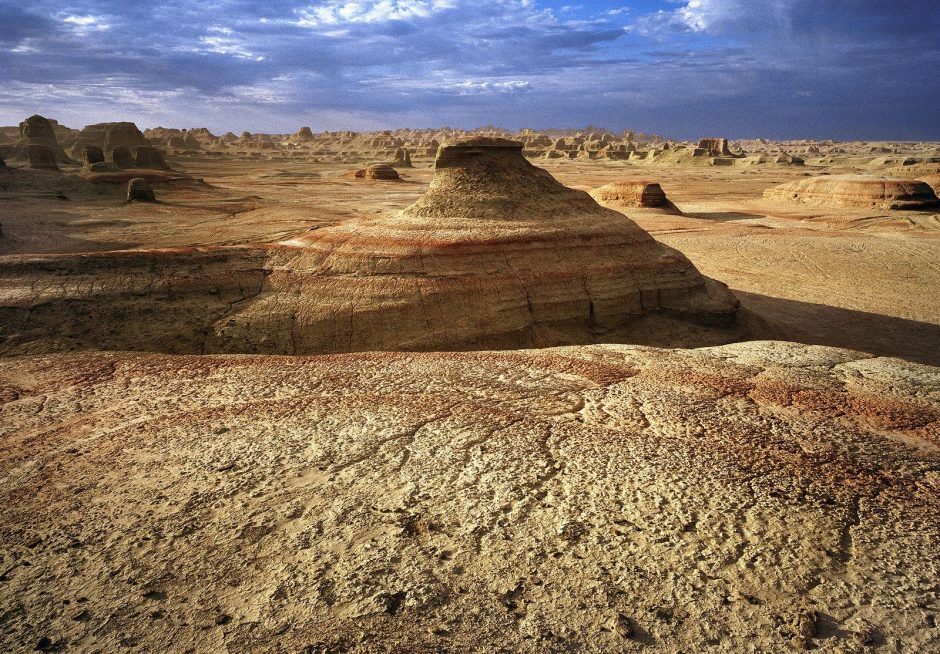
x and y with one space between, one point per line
497 254
633 194
857 191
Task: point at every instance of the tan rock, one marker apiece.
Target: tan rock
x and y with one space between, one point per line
140 190
856 191
633 193
378 171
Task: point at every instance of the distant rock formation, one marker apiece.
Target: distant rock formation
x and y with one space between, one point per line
715 147
109 136
378 171
140 190
39 131
40 157
149 157
303 135
633 193
402 159
122 158
857 191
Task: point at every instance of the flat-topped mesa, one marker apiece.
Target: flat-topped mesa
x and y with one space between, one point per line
860 191
715 147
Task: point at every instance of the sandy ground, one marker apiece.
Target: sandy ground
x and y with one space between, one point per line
754 497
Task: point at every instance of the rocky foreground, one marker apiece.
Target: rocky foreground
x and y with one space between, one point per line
749 497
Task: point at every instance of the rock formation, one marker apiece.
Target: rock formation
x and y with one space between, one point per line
122 158
140 190
149 157
856 191
378 171
402 159
496 254
632 193
109 136
92 154
39 131
715 147
41 157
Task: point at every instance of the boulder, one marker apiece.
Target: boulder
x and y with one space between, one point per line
379 171
140 190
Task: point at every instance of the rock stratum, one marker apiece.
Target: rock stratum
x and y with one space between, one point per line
752 497
857 191
497 254
629 194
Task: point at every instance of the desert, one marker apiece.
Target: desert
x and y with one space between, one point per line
303 388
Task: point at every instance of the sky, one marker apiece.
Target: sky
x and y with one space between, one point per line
841 69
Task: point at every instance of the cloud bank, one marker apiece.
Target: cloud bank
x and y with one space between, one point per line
742 68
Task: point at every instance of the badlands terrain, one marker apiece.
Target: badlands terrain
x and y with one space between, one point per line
432 390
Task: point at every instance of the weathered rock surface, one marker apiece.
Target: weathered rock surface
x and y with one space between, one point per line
497 254
109 136
857 191
402 159
754 497
715 147
40 157
633 193
378 171
140 190
39 131
92 154
122 158
149 157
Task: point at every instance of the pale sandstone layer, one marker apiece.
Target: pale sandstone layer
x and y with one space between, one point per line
857 191
752 497
497 254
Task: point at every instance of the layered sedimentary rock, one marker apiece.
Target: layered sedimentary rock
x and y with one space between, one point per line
109 136
380 171
755 497
857 191
39 131
633 194
497 254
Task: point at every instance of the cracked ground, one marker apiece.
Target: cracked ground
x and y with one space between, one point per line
757 497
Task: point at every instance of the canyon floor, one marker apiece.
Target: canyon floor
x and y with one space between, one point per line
762 496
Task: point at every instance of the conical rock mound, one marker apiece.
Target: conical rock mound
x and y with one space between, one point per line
496 254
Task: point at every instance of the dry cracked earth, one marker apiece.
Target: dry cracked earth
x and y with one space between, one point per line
762 496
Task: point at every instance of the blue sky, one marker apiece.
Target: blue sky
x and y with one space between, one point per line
839 69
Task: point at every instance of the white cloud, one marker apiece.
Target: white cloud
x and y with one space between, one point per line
337 12
84 24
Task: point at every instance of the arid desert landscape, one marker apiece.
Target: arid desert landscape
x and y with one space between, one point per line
448 390
469 327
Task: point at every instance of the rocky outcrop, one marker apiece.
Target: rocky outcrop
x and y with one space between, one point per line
140 190
402 159
149 157
109 136
715 147
856 191
628 194
379 171
39 131
122 158
40 157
